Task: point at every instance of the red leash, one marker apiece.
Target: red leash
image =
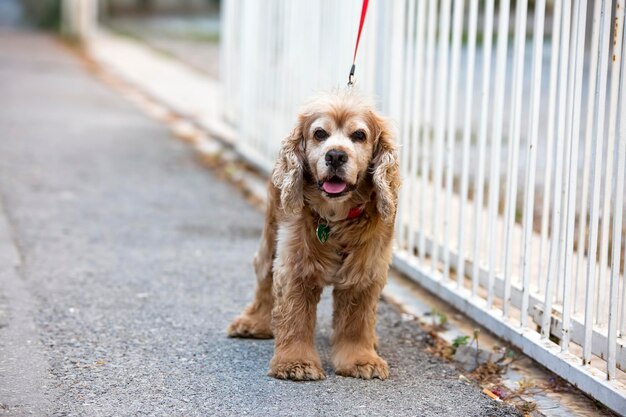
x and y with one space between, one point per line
358 39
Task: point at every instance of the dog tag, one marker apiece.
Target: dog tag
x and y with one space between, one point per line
322 231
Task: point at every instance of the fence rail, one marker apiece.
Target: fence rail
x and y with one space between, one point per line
511 122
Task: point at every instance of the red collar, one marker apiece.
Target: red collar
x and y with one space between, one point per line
355 212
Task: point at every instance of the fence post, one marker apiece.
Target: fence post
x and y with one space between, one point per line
79 18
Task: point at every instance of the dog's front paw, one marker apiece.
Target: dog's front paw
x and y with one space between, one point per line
367 367
250 326
300 370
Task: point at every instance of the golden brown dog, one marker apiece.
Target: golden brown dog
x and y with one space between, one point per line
330 216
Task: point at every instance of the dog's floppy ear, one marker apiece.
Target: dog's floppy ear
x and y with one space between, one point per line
288 174
385 172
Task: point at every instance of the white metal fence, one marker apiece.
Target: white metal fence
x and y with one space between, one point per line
512 127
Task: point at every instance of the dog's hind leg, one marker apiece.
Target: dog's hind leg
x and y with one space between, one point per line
255 321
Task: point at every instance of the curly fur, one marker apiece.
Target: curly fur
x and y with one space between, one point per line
293 266
288 174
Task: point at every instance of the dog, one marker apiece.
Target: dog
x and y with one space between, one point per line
329 222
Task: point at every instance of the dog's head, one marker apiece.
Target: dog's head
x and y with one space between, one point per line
338 143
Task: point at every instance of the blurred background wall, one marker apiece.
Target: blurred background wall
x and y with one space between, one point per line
47 13
41 13
116 7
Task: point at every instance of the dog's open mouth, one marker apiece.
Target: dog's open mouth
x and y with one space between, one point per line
334 186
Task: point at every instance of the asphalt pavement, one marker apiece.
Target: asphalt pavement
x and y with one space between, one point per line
122 261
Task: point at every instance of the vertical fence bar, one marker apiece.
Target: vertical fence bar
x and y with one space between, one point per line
576 66
554 71
496 140
591 105
531 159
605 29
467 132
553 262
427 128
261 52
417 123
457 32
479 186
383 24
402 216
246 61
226 53
622 325
283 86
265 93
279 85
440 125
514 143
395 90
618 202
620 189
602 307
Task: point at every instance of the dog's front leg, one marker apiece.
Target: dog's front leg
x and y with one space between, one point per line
354 334
293 319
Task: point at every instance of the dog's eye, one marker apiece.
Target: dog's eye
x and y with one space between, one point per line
320 134
358 136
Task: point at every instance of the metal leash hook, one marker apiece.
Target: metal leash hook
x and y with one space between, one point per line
358 39
351 76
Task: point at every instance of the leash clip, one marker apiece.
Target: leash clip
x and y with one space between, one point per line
351 76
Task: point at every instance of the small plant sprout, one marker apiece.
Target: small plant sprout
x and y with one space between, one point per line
460 341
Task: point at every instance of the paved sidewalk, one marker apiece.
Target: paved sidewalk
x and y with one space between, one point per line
123 260
192 39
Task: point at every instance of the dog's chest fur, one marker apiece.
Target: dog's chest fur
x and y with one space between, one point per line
336 261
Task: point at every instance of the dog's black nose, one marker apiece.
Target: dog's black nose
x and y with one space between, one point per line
336 158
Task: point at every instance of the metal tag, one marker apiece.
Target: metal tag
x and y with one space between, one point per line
322 231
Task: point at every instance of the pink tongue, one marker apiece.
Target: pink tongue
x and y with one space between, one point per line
334 187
